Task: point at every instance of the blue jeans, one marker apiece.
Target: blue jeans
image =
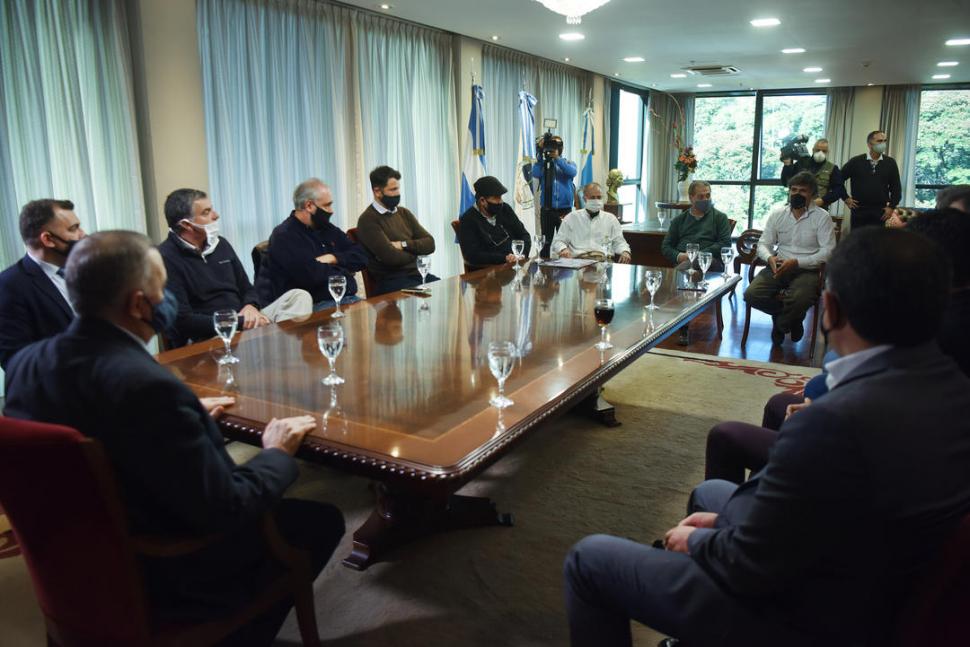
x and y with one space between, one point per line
330 303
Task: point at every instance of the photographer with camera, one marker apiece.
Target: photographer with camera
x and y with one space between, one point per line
795 157
555 175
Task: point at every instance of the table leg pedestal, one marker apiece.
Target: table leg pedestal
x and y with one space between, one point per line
599 409
401 516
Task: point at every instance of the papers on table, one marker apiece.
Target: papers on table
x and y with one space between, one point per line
569 263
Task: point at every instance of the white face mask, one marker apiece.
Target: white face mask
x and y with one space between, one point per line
211 233
594 205
879 148
819 157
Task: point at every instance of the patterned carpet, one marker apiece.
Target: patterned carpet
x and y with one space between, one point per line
569 479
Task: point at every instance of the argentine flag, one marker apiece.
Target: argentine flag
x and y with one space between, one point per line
474 150
586 152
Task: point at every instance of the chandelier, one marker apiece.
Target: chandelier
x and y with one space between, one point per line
573 9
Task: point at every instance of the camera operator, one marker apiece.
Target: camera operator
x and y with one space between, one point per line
555 176
831 187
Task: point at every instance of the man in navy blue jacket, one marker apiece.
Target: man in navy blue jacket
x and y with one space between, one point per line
861 488
33 294
205 275
306 249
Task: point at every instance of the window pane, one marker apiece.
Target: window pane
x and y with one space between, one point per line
926 198
942 143
629 197
766 197
630 136
732 199
723 136
783 116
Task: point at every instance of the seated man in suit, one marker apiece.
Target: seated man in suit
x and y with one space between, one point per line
805 237
163 442
392 236
205 274
860 490
585 233
700 224
306 249
33 295
487 229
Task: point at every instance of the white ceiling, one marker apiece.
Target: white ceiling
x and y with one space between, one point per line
856 42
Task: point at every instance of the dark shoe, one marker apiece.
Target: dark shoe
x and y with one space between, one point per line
797 331
777 334
684 339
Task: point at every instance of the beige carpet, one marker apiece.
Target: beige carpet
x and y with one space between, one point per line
571 478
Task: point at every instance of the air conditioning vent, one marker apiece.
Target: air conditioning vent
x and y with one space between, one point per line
714 70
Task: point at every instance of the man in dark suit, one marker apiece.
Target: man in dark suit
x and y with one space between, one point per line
174 472
860 490
33 294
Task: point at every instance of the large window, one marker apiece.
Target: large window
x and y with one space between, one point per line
942 143
737 140
628 149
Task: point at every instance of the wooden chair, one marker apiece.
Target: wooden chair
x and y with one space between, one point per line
60 495
370 286
259 254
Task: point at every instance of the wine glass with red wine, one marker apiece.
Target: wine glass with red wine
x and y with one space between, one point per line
603 309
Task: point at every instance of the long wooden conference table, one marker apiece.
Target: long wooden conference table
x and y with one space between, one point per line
414 413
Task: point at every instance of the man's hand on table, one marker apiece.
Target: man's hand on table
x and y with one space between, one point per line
287 433
216 406
252 317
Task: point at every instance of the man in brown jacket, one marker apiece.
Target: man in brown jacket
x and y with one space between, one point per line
392 236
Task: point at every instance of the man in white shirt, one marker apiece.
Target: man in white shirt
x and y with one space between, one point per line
798 237
583 232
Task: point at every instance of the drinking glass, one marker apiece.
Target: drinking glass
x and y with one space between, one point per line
225 322
603 309
517 247
337 285
608 249
653 278
501 356
538 241
705 259
727 255
330 340
424 266
692 250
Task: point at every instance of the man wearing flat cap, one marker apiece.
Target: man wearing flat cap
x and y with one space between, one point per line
487 229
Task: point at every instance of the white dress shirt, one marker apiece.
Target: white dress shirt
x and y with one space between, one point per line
809 240
51 271
381 209
839 368
582 234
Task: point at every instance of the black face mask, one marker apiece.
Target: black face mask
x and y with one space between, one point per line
70 244
494 209
798 201
390 201
320 218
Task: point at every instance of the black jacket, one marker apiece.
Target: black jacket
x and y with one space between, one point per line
873 190
482 244
31 308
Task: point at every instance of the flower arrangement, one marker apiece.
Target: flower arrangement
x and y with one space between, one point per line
686 163
614 180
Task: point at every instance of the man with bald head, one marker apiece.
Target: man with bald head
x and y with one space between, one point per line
163 442
588 232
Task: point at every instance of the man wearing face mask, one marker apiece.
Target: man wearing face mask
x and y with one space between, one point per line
392 235
205 275
588 232
163 442
798 237
831 188
34 302
875 183
487 229
306 249
702 225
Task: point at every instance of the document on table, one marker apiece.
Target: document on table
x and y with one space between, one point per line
570 263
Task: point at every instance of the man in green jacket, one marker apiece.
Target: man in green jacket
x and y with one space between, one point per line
701 224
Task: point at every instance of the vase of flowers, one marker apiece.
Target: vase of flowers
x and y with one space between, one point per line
685 166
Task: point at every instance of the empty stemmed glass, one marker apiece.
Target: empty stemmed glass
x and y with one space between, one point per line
727 255
603 310
330 340
424 266
538 242
225 322
337 285
518 246
608 249
692 250
501 357
652 280
705 259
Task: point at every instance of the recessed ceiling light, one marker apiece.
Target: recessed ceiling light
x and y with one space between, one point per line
703 85
812 69
566 59
947 64
634 59
957 42
571 35
765 22
940 77
386 7
823 80
678 75
616 74
793 50
868 84
494 36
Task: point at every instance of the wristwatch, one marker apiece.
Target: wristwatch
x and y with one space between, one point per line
404 244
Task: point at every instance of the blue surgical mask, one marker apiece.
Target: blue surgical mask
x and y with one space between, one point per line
703 205
164 313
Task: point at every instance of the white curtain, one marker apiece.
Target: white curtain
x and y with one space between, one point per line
296 88
67 124
667 115
838 130
900 120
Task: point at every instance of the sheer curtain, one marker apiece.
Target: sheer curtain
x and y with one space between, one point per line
838 130
665 114
298 88
900 119
67 124
504 74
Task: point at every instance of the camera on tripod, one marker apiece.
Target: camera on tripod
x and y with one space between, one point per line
548 143
793 147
